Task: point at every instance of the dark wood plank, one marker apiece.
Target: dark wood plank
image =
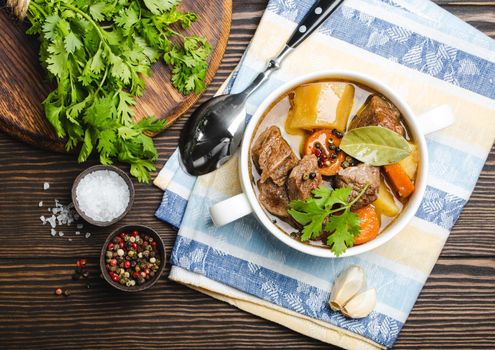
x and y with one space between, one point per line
175 317
456 309
24 85
25 170
480 14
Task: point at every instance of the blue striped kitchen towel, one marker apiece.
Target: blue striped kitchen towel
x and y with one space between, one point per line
431 58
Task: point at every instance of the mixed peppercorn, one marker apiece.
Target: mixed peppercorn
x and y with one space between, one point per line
132 258
324 144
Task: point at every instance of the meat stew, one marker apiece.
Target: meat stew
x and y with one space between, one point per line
297 164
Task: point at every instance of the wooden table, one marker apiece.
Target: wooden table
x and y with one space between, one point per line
455 310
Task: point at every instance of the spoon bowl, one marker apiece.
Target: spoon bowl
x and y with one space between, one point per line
212 134
214 131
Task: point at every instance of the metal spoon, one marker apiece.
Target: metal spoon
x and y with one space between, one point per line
214 131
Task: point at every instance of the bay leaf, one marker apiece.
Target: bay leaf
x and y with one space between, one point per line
375 145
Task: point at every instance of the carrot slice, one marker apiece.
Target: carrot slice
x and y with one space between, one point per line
323 144
370 224
399 179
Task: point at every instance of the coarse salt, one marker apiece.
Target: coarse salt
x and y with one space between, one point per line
60 215
103 195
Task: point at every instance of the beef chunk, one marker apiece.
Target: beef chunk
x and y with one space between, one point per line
304 178
269 135
357 177
379 112
273 156
274 198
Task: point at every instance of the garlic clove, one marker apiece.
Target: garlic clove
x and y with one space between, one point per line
360 305
348 284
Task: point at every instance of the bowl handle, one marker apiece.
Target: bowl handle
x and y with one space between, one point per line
435 119
230 210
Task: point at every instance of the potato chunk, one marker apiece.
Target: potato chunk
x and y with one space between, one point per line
385 202
410 163
320 105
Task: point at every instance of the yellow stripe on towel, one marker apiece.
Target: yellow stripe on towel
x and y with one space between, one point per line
404 248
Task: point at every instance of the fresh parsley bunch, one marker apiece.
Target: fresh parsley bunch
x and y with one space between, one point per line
328 210
97 52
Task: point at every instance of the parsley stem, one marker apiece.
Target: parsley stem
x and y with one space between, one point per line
102 80
38 8
349 205
359 195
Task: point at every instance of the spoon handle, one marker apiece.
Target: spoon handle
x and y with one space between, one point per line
316 15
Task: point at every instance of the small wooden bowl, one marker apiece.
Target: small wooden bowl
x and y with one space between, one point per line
142 230
122 174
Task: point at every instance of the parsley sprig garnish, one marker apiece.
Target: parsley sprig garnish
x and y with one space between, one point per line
328 210
97 52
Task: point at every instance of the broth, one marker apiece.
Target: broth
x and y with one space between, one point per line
277 115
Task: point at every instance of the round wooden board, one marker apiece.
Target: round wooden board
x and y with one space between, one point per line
24 85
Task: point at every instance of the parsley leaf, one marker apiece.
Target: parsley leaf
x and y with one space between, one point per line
159 6
97 52
326 197
328 210
72 42
96 10
310 215
344 227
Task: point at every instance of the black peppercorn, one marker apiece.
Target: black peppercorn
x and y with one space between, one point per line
312 175
337 133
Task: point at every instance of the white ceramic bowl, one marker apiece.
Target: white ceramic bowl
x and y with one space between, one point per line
247 202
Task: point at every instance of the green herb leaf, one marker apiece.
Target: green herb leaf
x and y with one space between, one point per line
97 53
328 210
97 64
97 11
344 228
52 113
159 6
72 42
375 145
326 198
310 215
87 147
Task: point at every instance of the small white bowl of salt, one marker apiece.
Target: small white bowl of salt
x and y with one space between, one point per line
102 195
